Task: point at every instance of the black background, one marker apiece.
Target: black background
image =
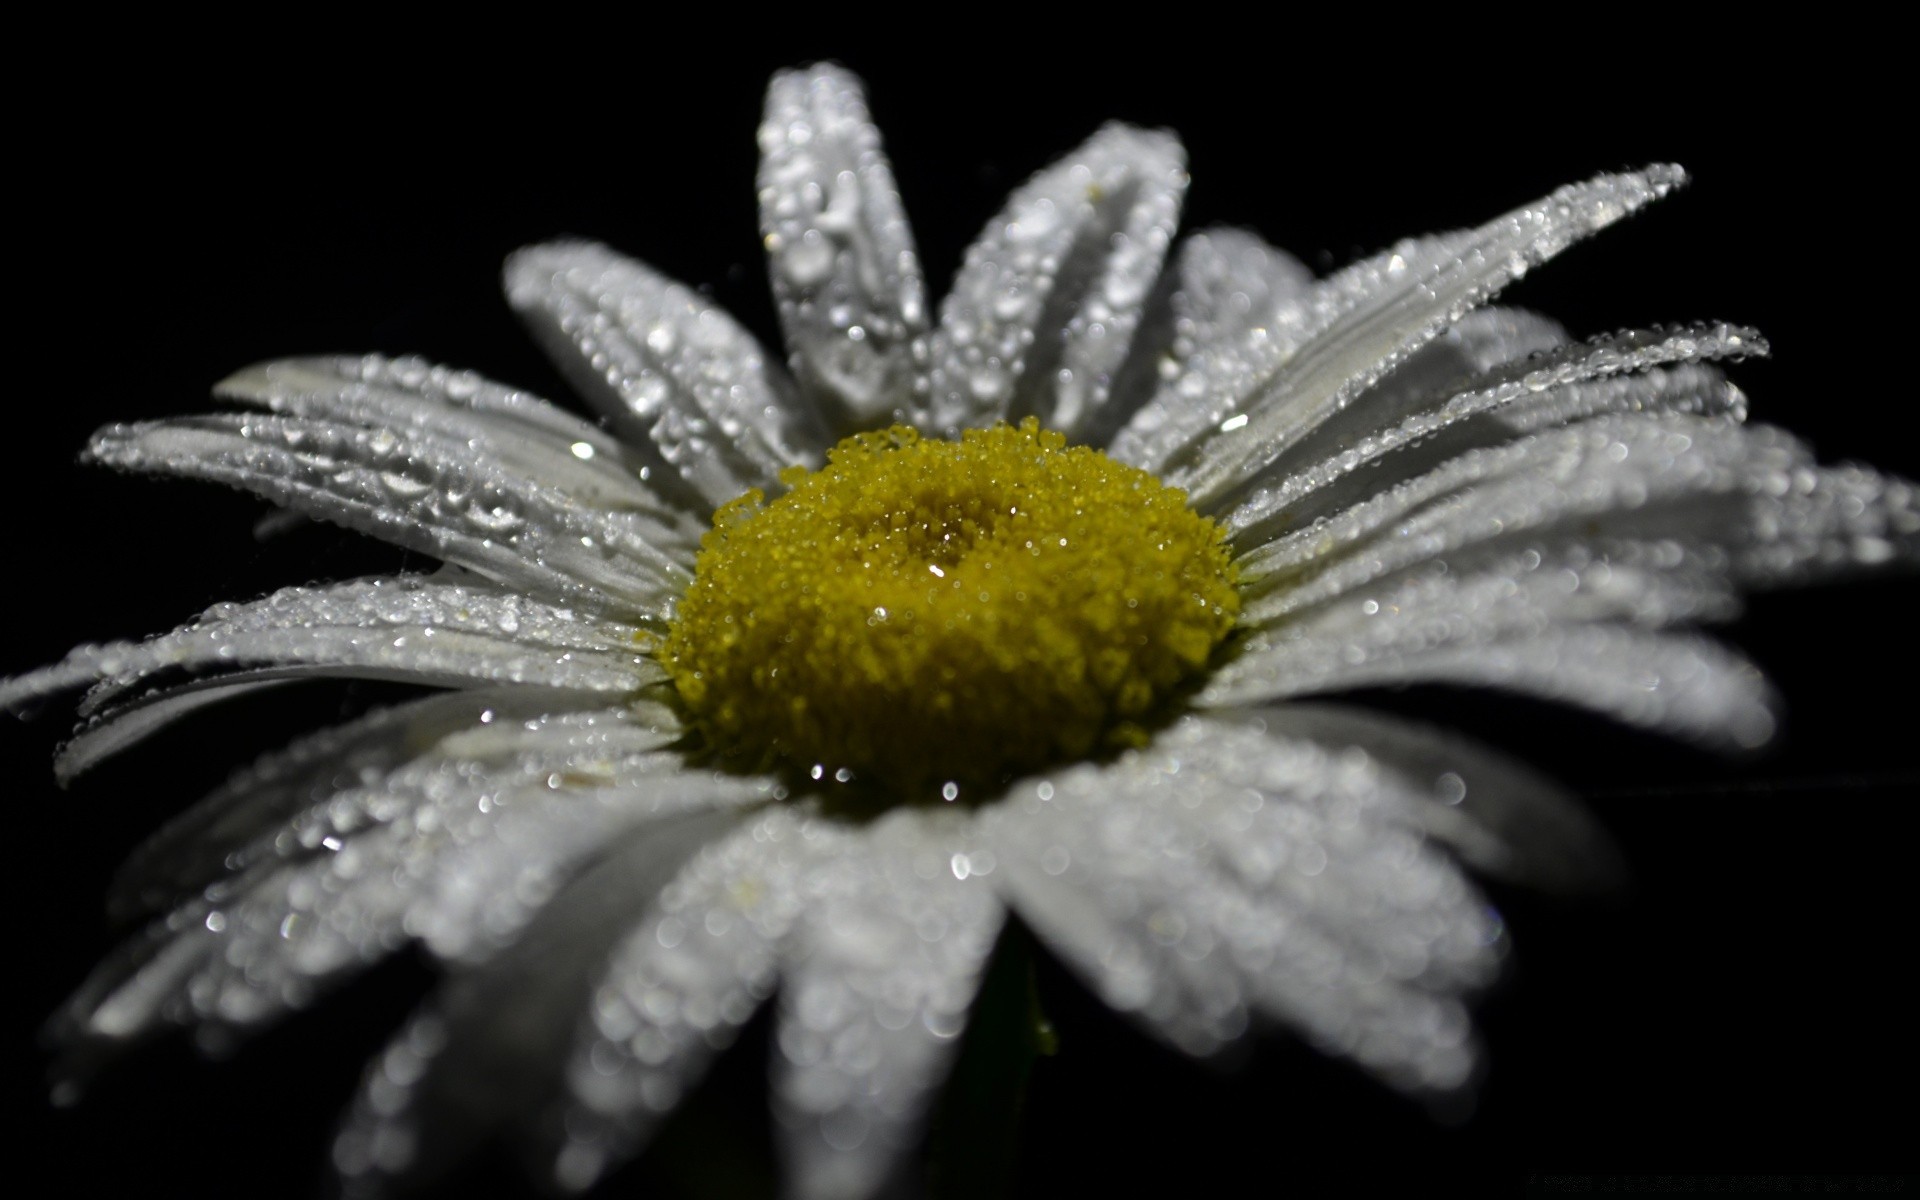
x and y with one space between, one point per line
1741 1010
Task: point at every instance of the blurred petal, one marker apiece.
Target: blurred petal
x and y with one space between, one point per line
459 853
1502 817
677 990
487 1053
1684 685
877 976
239 824
1223 868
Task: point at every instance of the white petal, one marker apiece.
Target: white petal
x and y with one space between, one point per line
662 361
528 436
1818 523
1522 396
678 989
848 284
1407 309
236 825
1094 879
1685 685
1225 868
422 492
1496 813
1223 282
457 852
489 1049
120 725
1596 470
1044 308
877 976
397 628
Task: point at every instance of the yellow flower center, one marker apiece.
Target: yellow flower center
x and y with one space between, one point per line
936 616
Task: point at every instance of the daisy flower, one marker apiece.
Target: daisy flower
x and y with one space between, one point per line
788 685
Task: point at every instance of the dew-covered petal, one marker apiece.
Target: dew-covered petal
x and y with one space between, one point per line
401 628
1489 340
525 434
1682 684
1589 475
852 302
1501 816
1691 507
1107 916
878 973
1418 427
666 364
488 1051
1223 282
678 988
425 492
1400 312
1044 308
1224 870
458 853
119 725
237 825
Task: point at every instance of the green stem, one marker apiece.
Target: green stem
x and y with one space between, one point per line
973 1147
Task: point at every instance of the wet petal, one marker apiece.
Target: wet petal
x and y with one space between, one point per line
877 977
399 628
1510 398
1223 282
1408 306
525 434
662 361
424 492
677 990
1043 310
458 853
238 824
1228 870
1685 685
845 276
1502 817
487 1053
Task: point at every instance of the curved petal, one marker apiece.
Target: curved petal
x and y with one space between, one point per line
1231 868
456 852
1497 814
677 990
241 823
877 975
528 436
664 363
424 492
1255 419
1513 398
1613 467
852 303
1223 282
1043 310
488 1051
1682 684
120 725
400 628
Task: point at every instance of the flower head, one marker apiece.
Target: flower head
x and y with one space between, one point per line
1074 549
